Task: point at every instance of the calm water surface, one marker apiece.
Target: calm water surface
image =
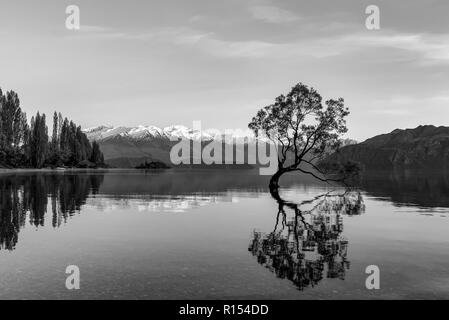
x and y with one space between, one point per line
220 235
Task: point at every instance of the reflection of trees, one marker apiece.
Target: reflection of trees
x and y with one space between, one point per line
69 194
304 246
30 194
12 213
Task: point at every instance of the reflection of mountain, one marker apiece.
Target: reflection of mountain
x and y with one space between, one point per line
27 196
31 196
177 190
305 246
34 196
186 182
422 147
158 203
420 188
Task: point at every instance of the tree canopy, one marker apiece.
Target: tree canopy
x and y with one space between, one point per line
23 145
304 128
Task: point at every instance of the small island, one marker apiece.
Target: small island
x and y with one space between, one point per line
153 165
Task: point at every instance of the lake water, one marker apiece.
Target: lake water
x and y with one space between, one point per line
220 235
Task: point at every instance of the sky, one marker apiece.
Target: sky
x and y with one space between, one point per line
143 62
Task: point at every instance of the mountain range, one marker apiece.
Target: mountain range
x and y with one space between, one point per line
152 132
424 147
128 147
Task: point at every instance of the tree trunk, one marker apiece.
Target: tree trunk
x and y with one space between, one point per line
274 184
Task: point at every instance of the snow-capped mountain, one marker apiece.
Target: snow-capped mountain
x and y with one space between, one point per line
131 146
172 133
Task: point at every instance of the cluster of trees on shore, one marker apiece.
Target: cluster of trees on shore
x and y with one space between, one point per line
30 146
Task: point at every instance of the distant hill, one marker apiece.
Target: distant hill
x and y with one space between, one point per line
425 147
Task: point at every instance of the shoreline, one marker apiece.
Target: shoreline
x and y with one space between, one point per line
105 170
34 170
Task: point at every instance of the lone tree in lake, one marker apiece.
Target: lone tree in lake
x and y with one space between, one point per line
305 131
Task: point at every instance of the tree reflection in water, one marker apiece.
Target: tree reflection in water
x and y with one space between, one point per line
23 196
308 244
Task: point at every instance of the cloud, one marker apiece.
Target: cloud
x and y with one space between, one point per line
98 33
92 29
272 14
401 105
206 42
430 48
421 49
